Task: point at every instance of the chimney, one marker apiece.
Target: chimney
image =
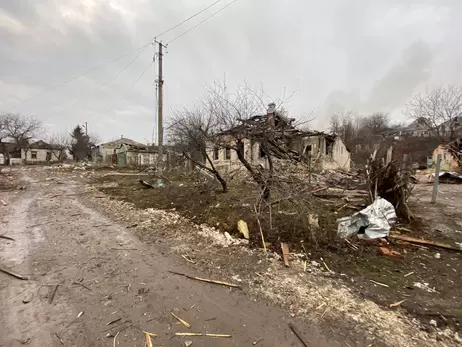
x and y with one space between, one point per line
271 113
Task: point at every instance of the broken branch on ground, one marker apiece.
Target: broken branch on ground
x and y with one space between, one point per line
206 280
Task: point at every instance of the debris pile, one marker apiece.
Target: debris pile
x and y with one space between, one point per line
375 221
390 182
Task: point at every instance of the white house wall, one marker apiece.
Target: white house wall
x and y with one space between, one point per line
26 156
251 154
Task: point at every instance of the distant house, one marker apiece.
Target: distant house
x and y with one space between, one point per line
451 156
39 152
106 153
451 128
323 150
8 150
142 155
421 127
418 128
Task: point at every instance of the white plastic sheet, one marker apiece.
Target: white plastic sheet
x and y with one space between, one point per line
376 220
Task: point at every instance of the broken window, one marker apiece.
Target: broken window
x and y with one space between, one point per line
308 149
262 153
240 148
33 155
228 153
216 153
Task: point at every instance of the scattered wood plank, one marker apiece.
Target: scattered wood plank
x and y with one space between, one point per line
298 334
380 284
146 184
115 339
329 196
206 280
3 202
285 253
188 259
318 190
203 334
327 268
114 321
124 249
424 242
186 324
257 341
60 339
7 238
398 303
148 339
83 285
55 289
13 274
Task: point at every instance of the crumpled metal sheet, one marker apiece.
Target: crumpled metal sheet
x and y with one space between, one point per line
376 220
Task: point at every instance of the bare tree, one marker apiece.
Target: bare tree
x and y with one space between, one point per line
440 110
191 129
376 123
20 129
346 126
61 143
238 117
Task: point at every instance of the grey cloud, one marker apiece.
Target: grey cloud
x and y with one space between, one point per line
399 83
339 54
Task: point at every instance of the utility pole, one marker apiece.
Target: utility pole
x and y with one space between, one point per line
437 178
160 105
86 128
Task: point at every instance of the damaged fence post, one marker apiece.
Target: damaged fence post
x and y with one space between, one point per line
437 178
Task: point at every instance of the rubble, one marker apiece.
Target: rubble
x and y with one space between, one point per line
225 239
243 229
373 222
424 286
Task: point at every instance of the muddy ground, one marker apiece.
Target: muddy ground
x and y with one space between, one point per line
90 279
427 279
111 254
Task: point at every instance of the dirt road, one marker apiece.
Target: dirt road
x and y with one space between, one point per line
105 274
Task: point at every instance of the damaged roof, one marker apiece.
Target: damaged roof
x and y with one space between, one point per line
40 145
455 148
117 143
257 126
140 148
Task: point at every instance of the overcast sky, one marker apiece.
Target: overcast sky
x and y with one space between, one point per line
361 55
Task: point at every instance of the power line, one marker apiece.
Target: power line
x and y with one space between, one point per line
105 82
129 89
108 62
201 22
189 18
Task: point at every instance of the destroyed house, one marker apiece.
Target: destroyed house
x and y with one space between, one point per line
131 154
451 156
106 153
282 140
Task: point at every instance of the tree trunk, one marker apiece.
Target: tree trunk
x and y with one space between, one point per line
212 170
255 173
